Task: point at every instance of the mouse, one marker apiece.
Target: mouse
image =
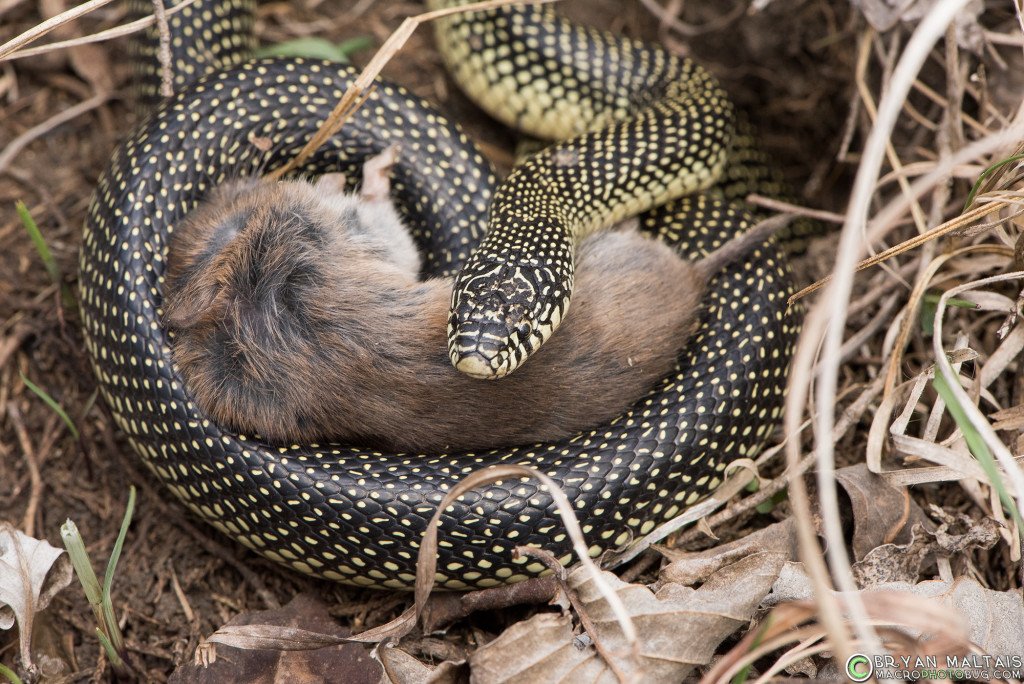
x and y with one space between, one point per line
297 314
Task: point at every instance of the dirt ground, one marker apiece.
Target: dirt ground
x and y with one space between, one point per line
792 66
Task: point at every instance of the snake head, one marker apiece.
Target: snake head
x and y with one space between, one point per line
502 312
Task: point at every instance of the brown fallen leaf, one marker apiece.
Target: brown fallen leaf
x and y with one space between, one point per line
903 562
893 562
92 63
960 533
402 668
544 649
259 654
694 567
881 513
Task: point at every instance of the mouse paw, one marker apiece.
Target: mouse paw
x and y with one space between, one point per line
376 175
331 183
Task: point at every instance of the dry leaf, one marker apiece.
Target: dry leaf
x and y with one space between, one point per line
31 573
402 668
991 620
994 619
538 650
902 563
693 567
92 63
297 644
882 513
543 649
893 562
977 534
274 637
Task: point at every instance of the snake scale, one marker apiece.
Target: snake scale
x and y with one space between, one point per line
356 516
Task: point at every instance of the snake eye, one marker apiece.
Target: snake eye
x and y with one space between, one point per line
524 330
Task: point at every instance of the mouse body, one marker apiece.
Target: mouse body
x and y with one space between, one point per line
298 314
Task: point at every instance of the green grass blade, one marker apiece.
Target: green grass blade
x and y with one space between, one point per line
316 48
49 263
72 539
109 632
978 447
51 403
109 620
988 172
112 655
928 306
11 677
108 579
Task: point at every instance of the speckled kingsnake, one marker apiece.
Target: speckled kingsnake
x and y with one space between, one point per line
354 515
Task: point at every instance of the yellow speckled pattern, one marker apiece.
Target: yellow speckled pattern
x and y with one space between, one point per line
357 516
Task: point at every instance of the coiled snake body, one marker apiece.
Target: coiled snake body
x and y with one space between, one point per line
356 516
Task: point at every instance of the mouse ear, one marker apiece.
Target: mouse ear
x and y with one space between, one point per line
194 302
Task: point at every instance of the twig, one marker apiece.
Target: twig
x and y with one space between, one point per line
9 344
445 608
427 562
164 49
549 560
28 521
796 209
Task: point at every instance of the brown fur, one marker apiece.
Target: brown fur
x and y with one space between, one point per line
287 326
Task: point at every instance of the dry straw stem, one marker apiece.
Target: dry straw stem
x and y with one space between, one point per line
45 27
990 204
361 88
11 49
824 329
